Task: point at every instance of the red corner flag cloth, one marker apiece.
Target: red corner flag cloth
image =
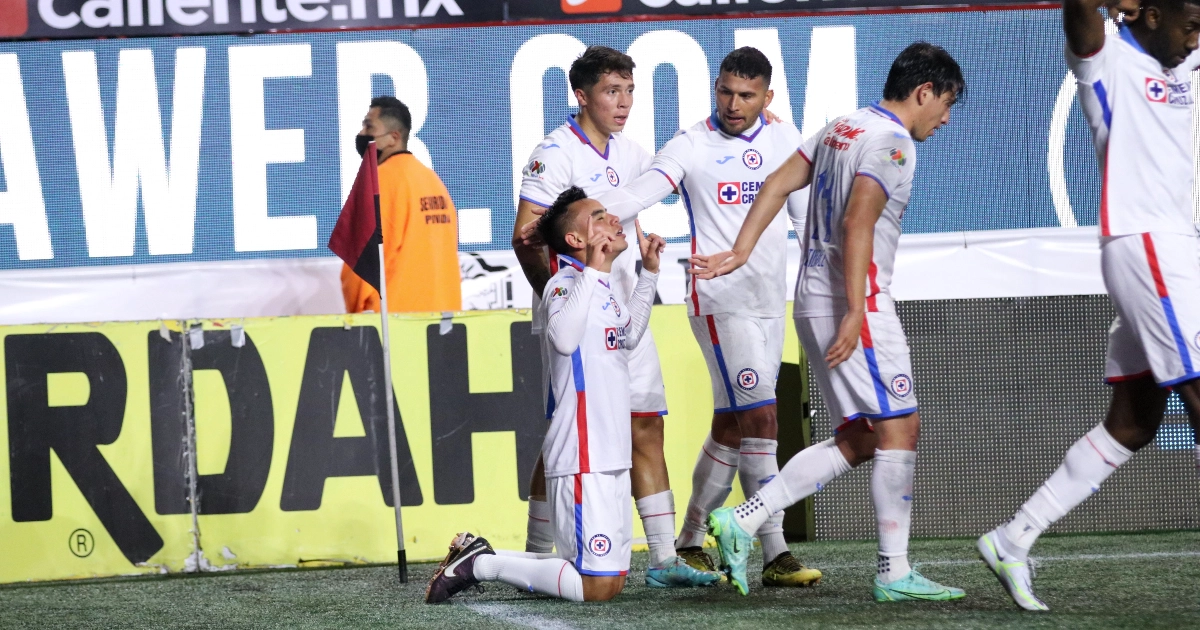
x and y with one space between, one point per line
358 233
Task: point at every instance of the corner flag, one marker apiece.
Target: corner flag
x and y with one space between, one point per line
358 233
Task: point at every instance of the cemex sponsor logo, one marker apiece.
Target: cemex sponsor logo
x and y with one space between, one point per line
733 193
614 338
590 6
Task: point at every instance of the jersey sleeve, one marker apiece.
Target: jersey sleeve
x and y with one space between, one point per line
808 146
566 299
675 158
890 160
546 175
1090 69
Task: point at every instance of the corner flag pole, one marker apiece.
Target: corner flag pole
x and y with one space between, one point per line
401 555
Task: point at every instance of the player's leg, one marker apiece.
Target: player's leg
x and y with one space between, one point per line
712 481
1190 393
472 560
539 531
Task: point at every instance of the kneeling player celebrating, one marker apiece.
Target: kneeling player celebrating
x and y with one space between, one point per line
862 165
588 449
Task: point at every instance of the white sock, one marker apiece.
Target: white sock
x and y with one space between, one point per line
804 474
757 466
712 480
1087 464
525 554
657 512
552 576
892 494
539 532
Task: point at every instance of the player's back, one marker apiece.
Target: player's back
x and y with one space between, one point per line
870 142
1140 115
589 427
720 177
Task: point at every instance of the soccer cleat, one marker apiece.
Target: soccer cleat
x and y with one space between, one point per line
696 558
458 573
1014 576
677 572
915 587
733 544
786 570
461 540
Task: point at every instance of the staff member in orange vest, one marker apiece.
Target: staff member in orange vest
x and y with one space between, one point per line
420 227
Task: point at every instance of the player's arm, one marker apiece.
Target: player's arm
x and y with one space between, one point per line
1084 26
567 320
656 183
867 200
641 301
530 253
794 174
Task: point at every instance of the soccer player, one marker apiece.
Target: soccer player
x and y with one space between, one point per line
718 166
590 152
862 165
1135 90
587 451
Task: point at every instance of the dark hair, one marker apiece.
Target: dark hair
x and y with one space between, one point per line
596 62
553 225
923 63
748 63
392 109
1168 6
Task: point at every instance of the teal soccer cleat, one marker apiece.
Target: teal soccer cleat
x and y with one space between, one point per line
733 543
1013 576
915 587
676 572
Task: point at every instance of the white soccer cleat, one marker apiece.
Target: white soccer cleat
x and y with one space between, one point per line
1013 575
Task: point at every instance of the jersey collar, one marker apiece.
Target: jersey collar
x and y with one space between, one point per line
883 111
714 124
565 259
578 131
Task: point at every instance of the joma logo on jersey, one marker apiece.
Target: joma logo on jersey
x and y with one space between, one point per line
614 338
734 193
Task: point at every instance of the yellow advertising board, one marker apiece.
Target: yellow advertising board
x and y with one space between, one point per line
285 420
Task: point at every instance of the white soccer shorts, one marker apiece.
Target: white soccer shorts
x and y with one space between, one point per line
647 395
743 354
1153 280
593 521
875 383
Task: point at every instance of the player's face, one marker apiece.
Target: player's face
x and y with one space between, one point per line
740 101
608 103
591 218
933 111
387 141
1175 34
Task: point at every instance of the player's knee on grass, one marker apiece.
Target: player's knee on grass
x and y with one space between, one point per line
598 588
1136 411
857 442
725 430
759 422
537 481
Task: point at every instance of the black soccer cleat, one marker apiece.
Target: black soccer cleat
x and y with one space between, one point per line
458 572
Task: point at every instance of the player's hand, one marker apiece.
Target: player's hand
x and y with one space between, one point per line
848 335
716 265
599 248
530 237
1131 9
771 117
651 246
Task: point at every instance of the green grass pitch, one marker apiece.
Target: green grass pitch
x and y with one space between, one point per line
1108 581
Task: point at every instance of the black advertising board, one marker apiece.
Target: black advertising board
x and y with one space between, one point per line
600 9
55 19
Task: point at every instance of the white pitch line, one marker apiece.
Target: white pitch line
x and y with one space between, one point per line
1042 559
517 617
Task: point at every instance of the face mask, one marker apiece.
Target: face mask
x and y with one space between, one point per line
360 144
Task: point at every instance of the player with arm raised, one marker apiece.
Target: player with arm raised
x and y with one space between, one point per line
861 167
587 451
1135 90
718 166
590 152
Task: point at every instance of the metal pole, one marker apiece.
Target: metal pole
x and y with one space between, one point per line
401 557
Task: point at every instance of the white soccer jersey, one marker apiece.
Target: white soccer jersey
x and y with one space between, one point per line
567 158
870 142
587 328
718 176
1141 115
